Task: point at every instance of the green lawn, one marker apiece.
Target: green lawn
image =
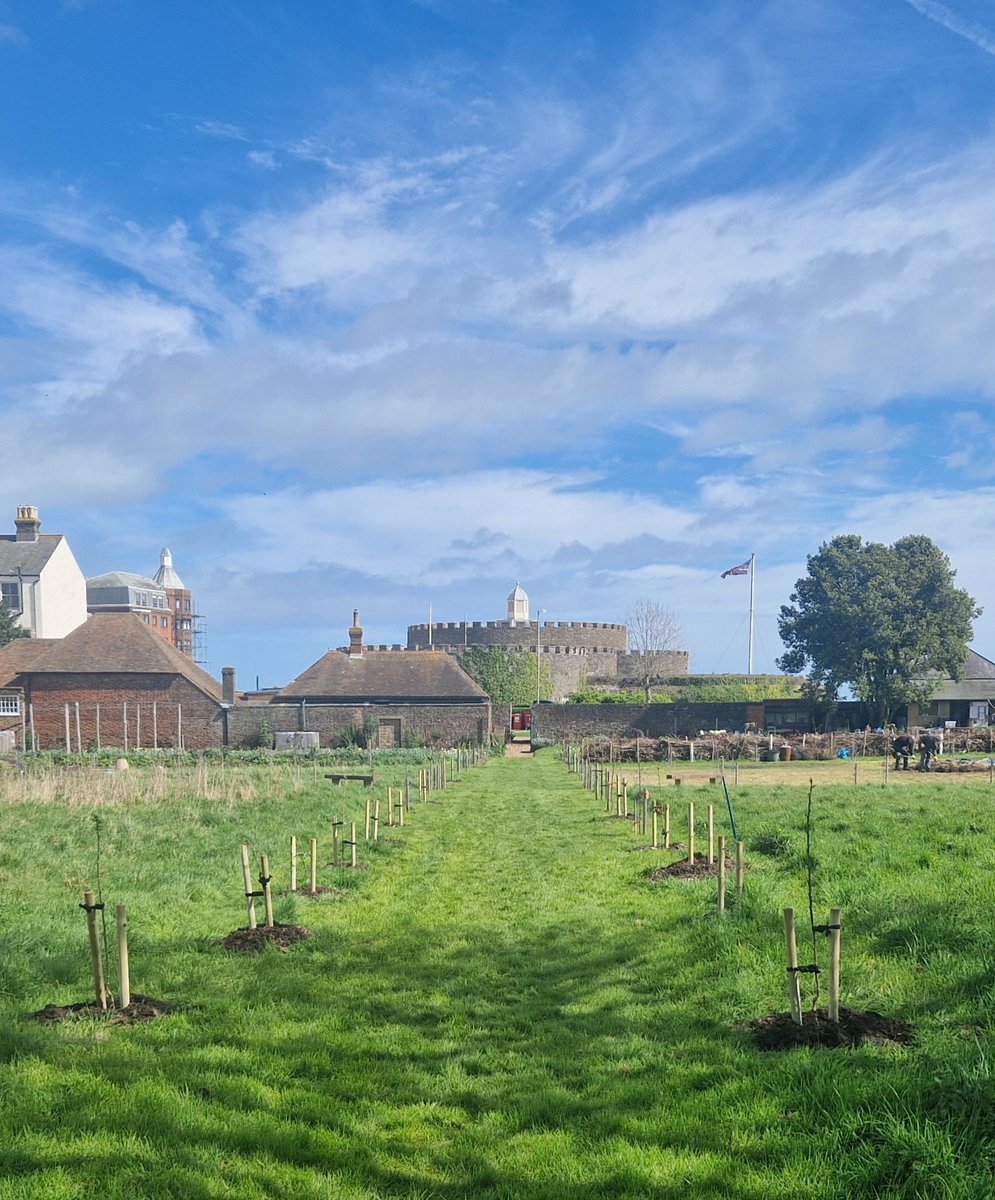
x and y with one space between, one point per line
498 1004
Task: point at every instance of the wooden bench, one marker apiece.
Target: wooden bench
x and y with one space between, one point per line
365 780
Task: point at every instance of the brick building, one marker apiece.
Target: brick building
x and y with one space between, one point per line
113 681
396 695
163 603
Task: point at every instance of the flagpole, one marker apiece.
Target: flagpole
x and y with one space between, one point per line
753 577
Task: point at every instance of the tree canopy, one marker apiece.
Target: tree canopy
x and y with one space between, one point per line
9 628
883 620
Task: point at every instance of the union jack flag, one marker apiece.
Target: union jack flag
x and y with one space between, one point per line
742 569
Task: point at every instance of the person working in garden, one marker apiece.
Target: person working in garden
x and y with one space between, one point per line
902 748
929 747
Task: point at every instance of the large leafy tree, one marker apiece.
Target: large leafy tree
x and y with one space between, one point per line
9 628
883 620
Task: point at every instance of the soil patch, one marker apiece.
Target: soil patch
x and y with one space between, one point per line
779 1032
319 891
141 1008
251 940
701 868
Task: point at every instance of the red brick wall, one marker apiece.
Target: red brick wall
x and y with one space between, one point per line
137 711
435 724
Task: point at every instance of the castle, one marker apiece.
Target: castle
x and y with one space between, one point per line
578 653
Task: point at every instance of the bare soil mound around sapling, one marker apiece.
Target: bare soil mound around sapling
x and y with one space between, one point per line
250 941
141 1008
778 1031
701 868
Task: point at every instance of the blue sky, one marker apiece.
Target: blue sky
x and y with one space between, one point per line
392 304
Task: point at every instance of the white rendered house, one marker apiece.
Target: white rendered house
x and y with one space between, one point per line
40 580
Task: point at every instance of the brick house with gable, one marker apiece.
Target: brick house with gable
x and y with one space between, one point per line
399 696
114 682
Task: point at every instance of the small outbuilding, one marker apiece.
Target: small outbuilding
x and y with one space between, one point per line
396 697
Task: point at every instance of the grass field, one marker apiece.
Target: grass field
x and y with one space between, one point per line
498 1004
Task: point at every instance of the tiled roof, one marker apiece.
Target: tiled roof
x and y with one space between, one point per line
978 667
121 643
20 654
29 557
398 675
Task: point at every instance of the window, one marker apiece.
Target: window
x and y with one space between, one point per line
10 594
10 704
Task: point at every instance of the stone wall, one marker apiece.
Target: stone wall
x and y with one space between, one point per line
591 637
571 722
665 663
431 724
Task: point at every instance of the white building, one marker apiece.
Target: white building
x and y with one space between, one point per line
40 580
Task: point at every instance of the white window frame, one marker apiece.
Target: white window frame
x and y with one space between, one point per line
10 704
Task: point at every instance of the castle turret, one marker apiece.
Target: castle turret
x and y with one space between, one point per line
518 606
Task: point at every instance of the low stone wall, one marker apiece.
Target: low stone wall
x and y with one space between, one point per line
571 722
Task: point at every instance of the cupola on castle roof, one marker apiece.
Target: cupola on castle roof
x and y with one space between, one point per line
518 604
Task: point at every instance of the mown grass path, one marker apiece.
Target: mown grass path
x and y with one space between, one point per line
499 1006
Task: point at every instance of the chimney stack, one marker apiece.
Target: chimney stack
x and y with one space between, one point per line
228 685
356 636
27 524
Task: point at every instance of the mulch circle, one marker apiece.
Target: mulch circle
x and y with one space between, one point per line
701 868
251 940
778 1031
141 1008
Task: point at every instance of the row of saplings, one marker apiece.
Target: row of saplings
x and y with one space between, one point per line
128 1007
832 1025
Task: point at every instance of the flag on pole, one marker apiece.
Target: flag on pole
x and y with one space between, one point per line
742 569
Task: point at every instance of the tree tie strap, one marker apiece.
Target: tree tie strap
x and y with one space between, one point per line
264 880
92 907
826 929
810 969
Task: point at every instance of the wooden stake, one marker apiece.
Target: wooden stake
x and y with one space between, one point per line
666 827
691 831
293 862
722 875
794 984
250 901
314 866
376 819
740 871
369 816
124 971
834 964
264 879
336 825
90 905
656 827
352 834
711 834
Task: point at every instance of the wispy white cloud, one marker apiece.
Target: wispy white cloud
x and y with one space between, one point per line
983 38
